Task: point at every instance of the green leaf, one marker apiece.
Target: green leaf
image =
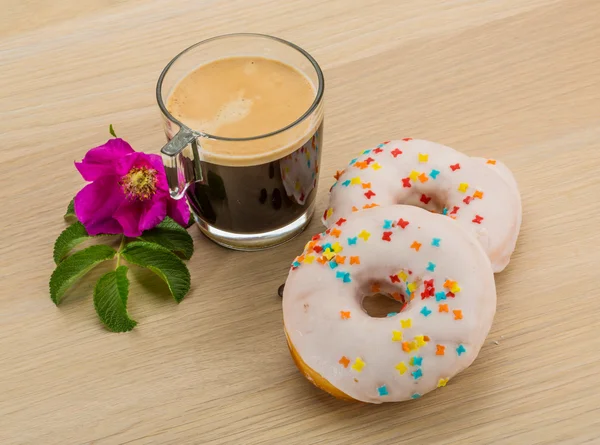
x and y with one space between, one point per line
171 236
76 266
111 130
191 221
70 210
69 238
110 300
163 263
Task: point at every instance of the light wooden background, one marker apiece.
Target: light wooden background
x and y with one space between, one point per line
509 79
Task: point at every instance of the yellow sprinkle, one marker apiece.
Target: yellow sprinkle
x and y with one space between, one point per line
414 175
308 259
328 254
358 364
420 339
402 275
376 166
411 287
364 235
442 382
412 345
423 157
297 187
455 289
337 247
406 323
355 180
402 368
463 187
396 335
329 212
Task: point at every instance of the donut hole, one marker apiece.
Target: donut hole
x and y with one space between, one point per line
382 304
433 202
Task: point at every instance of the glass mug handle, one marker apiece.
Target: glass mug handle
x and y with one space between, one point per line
181 160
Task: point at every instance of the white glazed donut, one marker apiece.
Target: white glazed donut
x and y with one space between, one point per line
426 260
481 195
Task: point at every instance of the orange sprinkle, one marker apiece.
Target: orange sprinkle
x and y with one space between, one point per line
491 161
335 232
344 361
457 314
345 315
340 259
478 194
415 245
361 164
423 177
366 185
370 206
426 338
443 308
397 296
440 350
354 260
322 260
338 174
375 287
449 284
354 209
405 346
300 258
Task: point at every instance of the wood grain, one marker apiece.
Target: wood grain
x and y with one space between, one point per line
509 79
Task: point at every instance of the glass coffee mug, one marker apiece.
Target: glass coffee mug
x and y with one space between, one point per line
245 193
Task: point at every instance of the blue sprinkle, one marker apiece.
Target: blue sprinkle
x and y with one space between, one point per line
417 361
425 311
387 223
433 174
366 152
436 242
391 314
460 350
352 161
431 267
347 278
346 183
308 163
296 264
382 390
333 264
334 184
326 246
417 374
415 396
339 274
445 211
381 146
439 296
352 241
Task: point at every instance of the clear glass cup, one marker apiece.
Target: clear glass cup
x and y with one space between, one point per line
245 202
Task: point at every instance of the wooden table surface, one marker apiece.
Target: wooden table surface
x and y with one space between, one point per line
508 79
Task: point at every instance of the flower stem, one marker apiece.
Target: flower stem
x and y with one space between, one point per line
119 251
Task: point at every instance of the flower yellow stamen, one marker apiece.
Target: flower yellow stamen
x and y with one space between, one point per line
139 183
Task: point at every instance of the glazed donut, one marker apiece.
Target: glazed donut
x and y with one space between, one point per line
427 261
480 194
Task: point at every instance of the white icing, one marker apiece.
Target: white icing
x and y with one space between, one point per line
314 296
500 205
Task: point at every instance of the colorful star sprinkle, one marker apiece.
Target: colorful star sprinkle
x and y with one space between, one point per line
415 396
387 223
425 311
435 242
333 265
416 361
339 259
344 361
354 260
457 314
394 278
406 182
443 308
382 390
369 194
352 241
387 236
366 185
340 221
460 350
478 194
358 365
396 152
417 374
462 187
478 219
414 175
355 180
423 157
329 254
376 166
442 382
402 223
364 235
433 174
406 323
491 161
420 339
346 183
336 247
455 167
345 315
439 296
425 199
430 266
440 350
402 368
335 232
423 178
396 335
415 245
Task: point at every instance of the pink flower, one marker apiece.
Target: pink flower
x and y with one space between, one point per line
128 192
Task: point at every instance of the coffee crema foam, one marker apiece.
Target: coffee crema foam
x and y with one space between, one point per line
244 97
